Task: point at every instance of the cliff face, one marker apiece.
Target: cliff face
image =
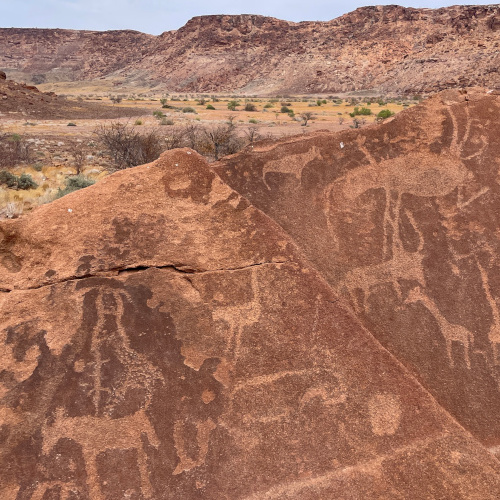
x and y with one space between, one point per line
385 48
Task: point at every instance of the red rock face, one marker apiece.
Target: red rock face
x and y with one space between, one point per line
402 220
382 49
179 346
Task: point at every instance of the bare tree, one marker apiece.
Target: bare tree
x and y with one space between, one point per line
252 134
128 147
78 150
308 115
14 149
221 140
174 138
192 134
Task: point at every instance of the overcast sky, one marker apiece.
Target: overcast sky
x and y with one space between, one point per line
156 16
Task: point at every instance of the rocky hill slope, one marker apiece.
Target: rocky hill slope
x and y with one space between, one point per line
383 48
175 344
403 221
18 99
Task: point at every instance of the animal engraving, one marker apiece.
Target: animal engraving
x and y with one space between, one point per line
239 316
203 429
410 174
292 164
96 435
451 332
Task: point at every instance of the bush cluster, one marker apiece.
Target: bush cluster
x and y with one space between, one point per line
24 181
14 149
74 183
360 112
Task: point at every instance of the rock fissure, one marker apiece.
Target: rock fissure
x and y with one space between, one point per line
179 268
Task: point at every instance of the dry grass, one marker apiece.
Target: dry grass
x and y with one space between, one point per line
54 141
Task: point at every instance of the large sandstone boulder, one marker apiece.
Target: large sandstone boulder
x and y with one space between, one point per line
403 220
161 338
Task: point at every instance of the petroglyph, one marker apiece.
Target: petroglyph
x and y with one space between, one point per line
451 332
110 303
403 265
96 435
292 164
203 430
239 316
385 414
494 331
411 174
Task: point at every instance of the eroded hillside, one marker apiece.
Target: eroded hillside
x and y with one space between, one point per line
384 48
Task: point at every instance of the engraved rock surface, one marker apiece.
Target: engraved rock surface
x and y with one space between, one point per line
179 346
402 219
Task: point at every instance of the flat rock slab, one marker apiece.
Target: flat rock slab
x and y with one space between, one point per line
403 220
162 338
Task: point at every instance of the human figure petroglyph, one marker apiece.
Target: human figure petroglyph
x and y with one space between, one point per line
99 432
140 373
96 435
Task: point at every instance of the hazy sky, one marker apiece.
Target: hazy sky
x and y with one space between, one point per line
156 16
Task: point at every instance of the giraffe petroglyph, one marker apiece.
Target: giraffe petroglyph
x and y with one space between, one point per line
450 331
291 164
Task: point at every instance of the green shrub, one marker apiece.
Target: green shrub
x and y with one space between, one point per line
10 180
269 105
285 109
71 124
158 114
250 107
363 111
188 110
138 122
385 113
73 184
253 120
26 182
209 106
232 105
166 121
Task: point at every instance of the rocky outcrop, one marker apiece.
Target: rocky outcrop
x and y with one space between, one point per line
383 48
26 100
177 345
402 219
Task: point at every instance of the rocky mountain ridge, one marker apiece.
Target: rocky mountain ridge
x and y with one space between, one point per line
383 48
